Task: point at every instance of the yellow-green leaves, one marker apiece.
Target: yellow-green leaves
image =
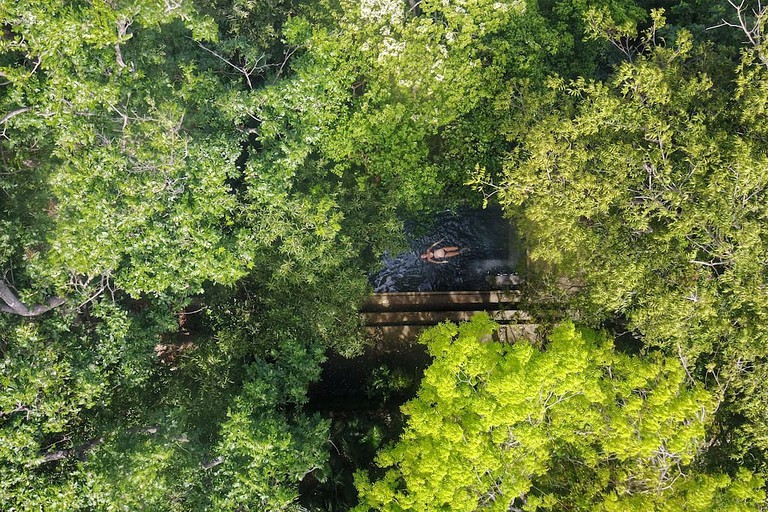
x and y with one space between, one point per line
577 422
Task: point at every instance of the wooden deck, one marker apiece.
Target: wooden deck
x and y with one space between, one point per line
402 316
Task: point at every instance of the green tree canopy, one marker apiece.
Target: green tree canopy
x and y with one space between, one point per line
575 425
123 198
649 190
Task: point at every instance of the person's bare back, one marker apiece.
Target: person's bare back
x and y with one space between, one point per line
442 253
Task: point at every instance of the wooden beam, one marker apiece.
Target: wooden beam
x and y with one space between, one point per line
439 301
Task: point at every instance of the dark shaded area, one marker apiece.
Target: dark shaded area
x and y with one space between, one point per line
346 385
362 398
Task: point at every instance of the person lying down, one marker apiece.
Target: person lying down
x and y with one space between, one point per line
441 255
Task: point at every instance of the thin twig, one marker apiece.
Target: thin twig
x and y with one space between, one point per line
242 70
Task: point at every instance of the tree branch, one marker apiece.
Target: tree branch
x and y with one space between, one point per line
213 463
122 30
15 306
255 68
754 33
16 112
77 451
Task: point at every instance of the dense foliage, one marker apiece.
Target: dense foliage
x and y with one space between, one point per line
192 194
649 189
576 426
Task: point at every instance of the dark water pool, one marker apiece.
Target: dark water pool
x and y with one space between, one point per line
489 247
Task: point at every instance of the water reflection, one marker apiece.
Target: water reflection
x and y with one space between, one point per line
489 247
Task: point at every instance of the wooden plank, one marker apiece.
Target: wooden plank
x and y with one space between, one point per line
435 317
405 301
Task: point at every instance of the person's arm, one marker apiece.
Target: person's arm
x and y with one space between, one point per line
434 244
436 262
